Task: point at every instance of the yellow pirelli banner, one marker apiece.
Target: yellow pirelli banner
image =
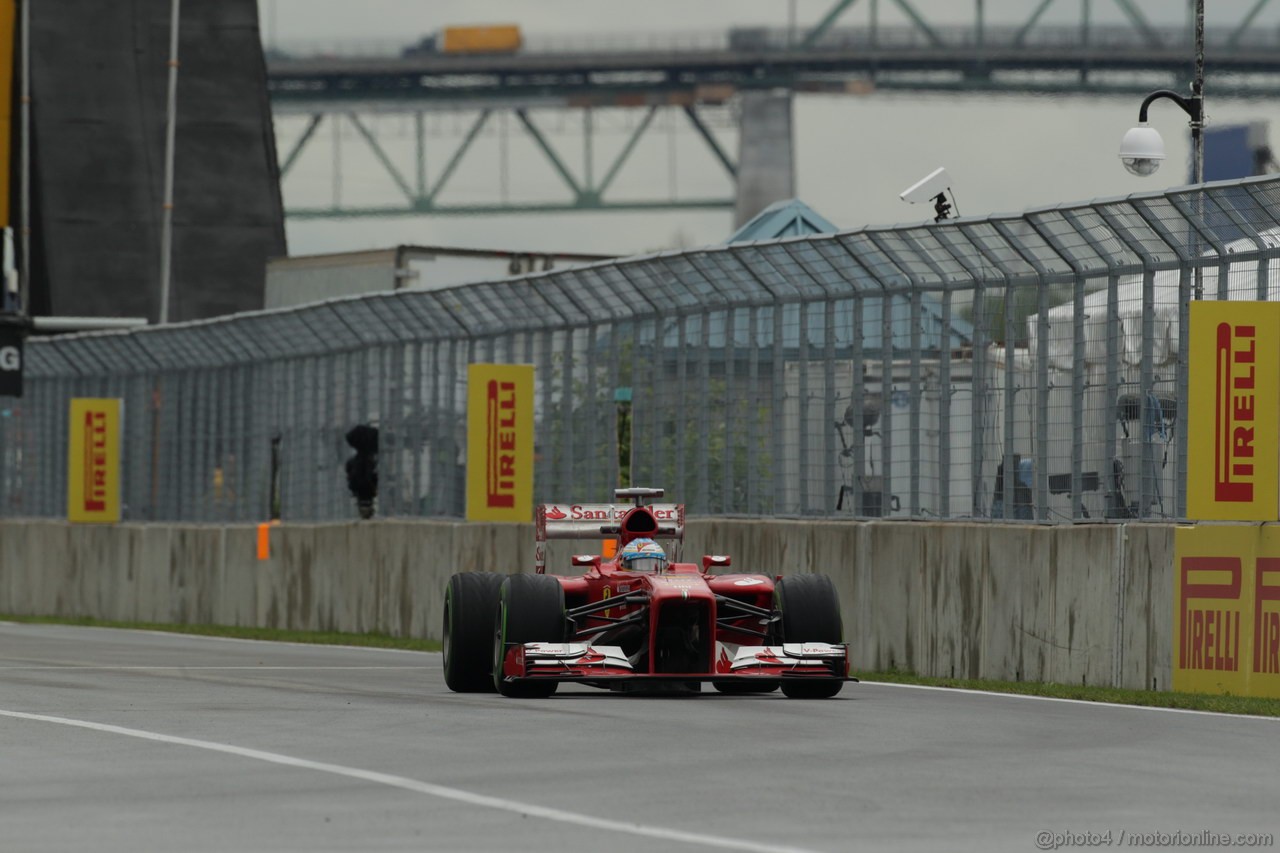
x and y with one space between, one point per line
93 461
1226 619
500 442
1233 411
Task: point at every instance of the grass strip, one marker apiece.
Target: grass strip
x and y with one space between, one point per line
1223 704
329 638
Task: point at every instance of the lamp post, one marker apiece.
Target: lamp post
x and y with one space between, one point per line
1142 149
171 123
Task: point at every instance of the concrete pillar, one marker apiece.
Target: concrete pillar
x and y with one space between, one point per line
766 153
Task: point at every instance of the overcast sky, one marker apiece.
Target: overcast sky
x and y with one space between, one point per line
855 154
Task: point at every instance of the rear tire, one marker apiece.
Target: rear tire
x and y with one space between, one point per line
470 602
810 614
530 610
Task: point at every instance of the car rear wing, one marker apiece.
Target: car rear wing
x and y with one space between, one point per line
592 521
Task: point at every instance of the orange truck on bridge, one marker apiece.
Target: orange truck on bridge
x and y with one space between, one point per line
490 38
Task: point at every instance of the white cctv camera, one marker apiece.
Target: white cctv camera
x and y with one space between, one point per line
929 187
1141 150
933 187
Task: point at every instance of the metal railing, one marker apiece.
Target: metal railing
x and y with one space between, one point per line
1012 367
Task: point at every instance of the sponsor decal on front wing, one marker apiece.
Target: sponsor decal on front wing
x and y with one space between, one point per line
733 658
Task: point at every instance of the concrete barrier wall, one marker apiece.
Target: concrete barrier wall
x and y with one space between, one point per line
1082 604
1077 604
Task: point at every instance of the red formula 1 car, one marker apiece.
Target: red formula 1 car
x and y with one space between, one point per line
637 621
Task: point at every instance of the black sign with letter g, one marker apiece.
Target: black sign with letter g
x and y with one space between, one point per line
11 360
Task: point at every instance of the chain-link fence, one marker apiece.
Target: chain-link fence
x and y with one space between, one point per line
1019 367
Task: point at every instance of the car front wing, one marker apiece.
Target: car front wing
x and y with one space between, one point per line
590 663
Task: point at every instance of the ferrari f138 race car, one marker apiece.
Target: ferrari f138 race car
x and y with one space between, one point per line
638 621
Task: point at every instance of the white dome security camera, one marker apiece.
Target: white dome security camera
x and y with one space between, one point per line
1141 150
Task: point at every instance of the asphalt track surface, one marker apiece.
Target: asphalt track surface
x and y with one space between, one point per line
118 741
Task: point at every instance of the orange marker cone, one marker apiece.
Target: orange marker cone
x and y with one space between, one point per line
264 539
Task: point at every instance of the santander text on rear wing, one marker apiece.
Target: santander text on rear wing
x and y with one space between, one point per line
592 521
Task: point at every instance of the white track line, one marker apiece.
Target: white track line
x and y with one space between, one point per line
441 791
1091 702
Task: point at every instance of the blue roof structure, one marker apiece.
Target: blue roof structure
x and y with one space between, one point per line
788 218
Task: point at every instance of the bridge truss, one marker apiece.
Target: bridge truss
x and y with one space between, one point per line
586 184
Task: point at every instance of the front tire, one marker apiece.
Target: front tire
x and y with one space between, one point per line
810 612
470 602
530 610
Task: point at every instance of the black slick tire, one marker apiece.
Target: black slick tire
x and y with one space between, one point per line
470 603
810 612
530 610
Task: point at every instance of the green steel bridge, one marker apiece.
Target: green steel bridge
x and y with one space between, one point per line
696 79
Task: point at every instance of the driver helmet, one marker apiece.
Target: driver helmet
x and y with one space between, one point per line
643 555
